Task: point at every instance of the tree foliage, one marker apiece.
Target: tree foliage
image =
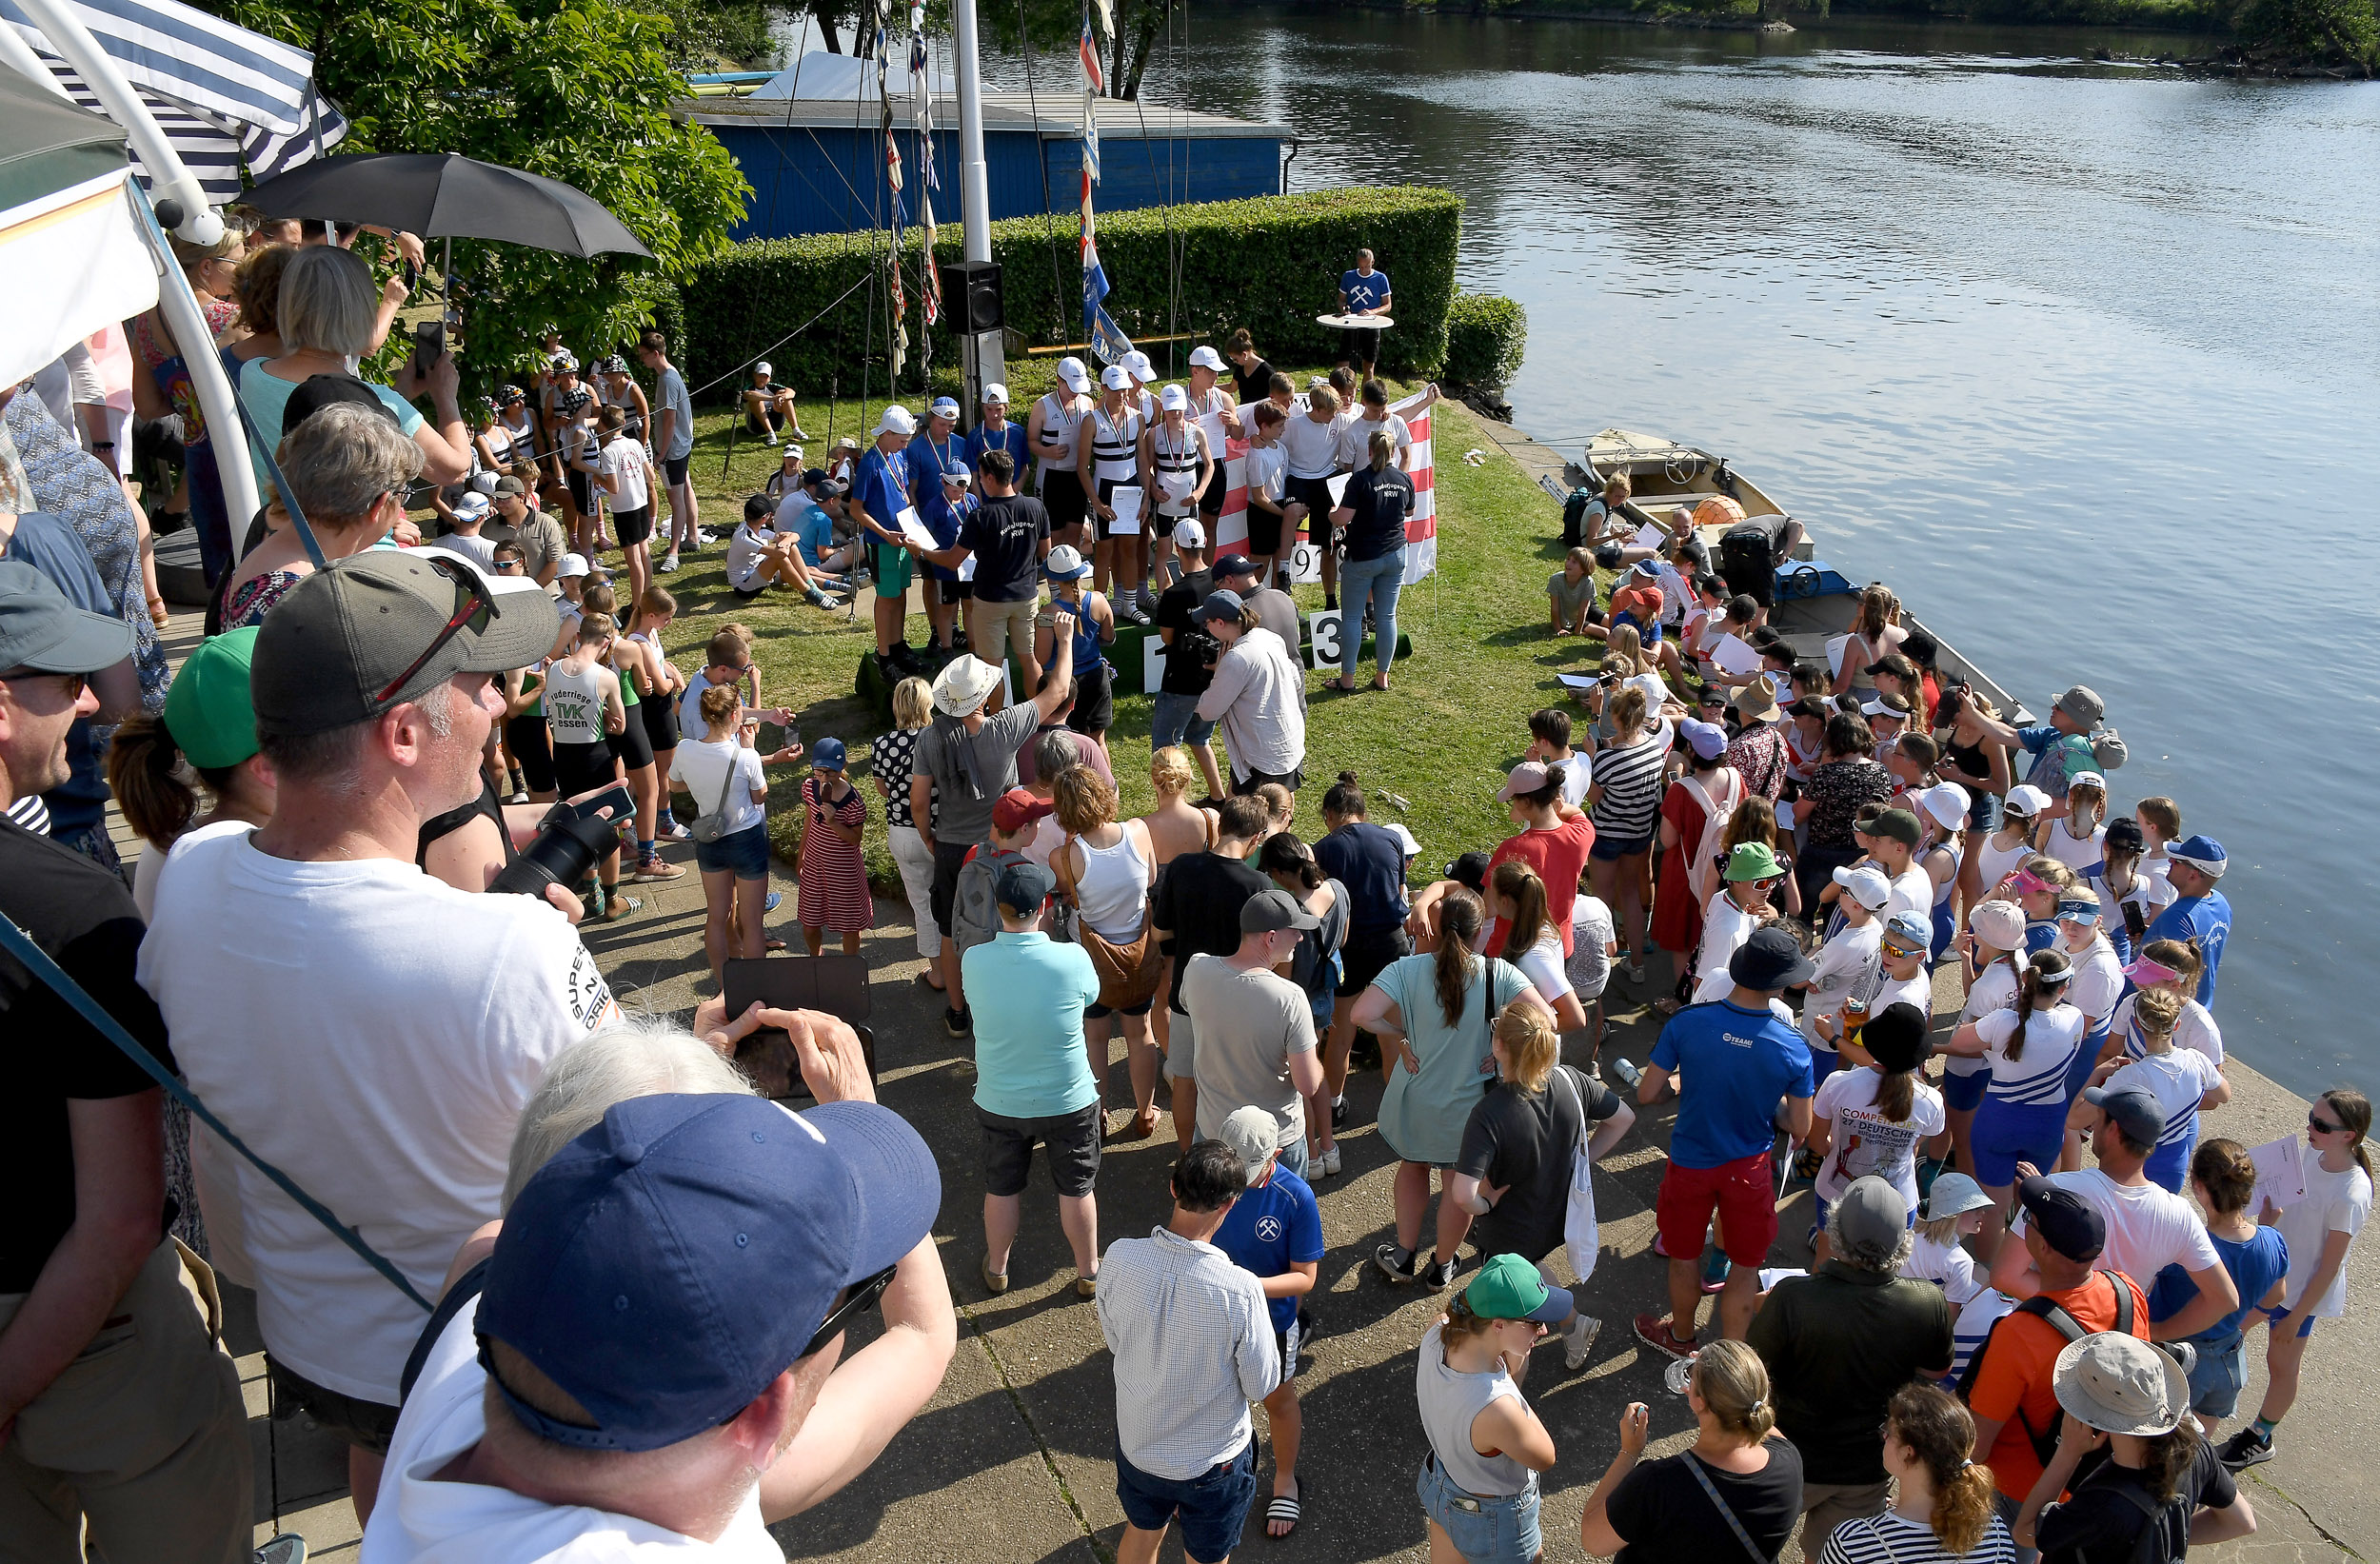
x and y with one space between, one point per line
1055 27
577 90
2325 33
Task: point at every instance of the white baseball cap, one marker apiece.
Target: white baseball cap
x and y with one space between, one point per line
1139 363
1867 886
1065 563
1947 803
572 565
793 453
1172 399
1115 377
1203 357
471 506
995 392
897 420
1077 378
1189 534
763 368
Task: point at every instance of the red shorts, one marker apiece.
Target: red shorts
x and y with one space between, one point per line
1742 1195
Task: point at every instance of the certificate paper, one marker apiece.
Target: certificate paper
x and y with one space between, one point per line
1126 499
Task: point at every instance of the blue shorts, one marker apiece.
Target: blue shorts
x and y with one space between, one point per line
1213 1507
2169 1165
1491 1529
1945 929
2085 1061
1175 720
743 854
1964 1094
1823 1063
1611 849
2007 1133
2274 1318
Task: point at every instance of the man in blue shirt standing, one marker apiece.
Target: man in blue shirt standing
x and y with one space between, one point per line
1738 1058
1275 1232
993 432
880 493
2060 748
2199 913
1362 291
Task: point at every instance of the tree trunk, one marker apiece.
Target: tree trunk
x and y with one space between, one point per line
823 12
1152 17
1116 66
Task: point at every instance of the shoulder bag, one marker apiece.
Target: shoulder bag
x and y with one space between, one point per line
1128 972
712 823
1726 1515
1580 1236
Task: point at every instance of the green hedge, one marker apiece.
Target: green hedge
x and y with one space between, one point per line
1486 338
1270 265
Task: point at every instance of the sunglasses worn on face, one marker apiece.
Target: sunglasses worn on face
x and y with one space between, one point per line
862 1297
75 682
2315 1122
473 609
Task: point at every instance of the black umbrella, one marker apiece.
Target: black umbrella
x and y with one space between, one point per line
442 195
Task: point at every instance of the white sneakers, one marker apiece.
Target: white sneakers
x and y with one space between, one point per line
1579 1340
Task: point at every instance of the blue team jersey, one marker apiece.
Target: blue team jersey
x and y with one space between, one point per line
1738 1063
1010 439
882 490
1271 1228
1364 292
927 459
2205 919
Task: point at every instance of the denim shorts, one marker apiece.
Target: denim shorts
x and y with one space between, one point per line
744 853
1611 849
1213 1506
1497 1529
1175 720
2217 1376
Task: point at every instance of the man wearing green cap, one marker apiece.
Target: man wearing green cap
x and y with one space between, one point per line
1751 877
145 1457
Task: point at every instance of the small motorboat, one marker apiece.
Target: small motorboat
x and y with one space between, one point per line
1816 602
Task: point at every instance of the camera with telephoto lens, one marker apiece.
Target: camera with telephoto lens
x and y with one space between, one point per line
571 841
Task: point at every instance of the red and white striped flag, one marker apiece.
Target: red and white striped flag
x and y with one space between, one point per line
1421 526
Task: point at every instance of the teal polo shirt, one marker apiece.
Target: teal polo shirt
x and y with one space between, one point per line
1027 993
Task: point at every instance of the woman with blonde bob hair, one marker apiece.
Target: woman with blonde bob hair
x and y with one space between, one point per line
1670 1510
1513 1173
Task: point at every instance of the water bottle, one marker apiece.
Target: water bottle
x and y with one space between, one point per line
1680 1371
1629 1074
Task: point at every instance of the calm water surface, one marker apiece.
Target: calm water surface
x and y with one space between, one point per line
2083 361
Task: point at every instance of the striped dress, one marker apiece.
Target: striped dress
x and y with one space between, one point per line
1630 777
834 876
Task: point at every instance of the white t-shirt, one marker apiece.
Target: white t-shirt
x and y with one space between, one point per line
1994 990
421 1519
482 551
2151 893
1265 470
1541 963
1578 776
1912 891
2179 1079
2335 1202
1354 440
2038 1077
2098 982
1725 928
702 767
1864 1141
743 554
1841 963
2193 1030
1591 936
1313 448
1947 1265
622 461
373 1033
2149 1227
1916 991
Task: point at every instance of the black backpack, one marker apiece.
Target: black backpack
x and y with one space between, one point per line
2045 1440
1575 515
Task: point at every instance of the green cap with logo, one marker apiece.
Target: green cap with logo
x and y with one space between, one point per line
208 708
1508 1287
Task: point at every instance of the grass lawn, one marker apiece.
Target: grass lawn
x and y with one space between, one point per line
1442 739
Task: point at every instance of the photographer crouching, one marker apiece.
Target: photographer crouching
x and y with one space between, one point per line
368 1029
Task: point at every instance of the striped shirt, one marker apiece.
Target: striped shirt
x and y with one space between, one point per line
1194 1345
1975 1323
1630 777
1890 1538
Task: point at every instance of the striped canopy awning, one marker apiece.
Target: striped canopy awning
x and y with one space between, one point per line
223 96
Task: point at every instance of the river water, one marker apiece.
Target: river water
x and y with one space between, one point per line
2083 360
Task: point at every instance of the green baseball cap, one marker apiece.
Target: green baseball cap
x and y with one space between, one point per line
208 708
1753 861
1508 1287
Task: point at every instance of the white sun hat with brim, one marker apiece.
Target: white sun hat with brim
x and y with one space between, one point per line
2119 1384
963 686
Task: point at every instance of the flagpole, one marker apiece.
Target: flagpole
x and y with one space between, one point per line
16 52
975 189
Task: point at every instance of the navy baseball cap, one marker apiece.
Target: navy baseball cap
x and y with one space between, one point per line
2068 1223
670 1262
1234 563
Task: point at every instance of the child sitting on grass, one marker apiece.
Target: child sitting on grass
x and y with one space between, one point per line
1571 590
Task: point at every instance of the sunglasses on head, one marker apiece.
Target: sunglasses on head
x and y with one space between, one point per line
857 1301
473 610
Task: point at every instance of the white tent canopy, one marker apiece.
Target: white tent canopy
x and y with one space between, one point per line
843 78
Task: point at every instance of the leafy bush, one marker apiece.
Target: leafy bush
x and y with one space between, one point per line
1271 264
2313 31
1485 337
